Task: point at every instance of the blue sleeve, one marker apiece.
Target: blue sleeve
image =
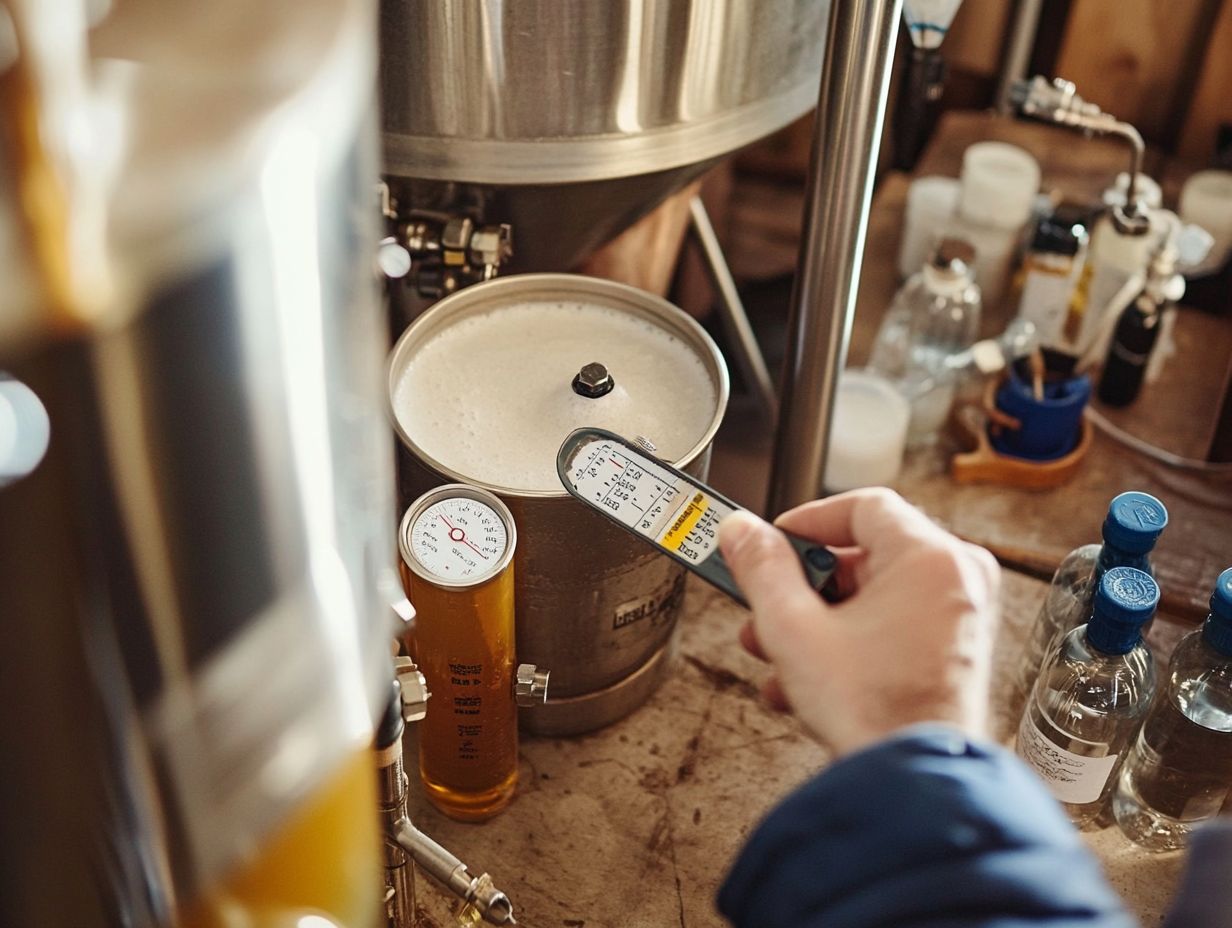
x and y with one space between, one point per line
1204 899
925 829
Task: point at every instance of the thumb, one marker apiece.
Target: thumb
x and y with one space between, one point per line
771 577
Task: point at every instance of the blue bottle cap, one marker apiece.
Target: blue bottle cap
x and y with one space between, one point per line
1135 521
1126 600
1217 632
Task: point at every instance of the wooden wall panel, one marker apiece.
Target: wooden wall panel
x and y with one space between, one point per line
1212 100
977 36
1127 56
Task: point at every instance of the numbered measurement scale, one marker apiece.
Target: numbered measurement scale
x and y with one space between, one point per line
666 507
457 536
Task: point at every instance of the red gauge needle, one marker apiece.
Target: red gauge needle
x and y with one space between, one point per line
457 534
467 542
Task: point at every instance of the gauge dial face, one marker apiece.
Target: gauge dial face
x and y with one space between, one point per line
459 540
676 515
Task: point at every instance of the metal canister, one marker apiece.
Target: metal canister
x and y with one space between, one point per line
593 603
457 545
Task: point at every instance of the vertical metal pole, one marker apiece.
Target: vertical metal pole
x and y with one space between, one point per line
846 138
1018 51
735 320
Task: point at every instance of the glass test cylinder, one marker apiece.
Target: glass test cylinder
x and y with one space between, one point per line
457 544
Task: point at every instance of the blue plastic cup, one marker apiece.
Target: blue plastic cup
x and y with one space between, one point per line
1051 427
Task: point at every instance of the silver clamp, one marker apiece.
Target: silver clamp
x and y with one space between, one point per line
530 686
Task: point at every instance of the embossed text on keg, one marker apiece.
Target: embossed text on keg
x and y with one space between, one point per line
657 607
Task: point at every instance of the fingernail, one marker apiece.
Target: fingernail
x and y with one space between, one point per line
736 527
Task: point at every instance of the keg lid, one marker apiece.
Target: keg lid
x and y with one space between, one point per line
486 385
457 536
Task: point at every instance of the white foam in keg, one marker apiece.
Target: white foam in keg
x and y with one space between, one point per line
491 396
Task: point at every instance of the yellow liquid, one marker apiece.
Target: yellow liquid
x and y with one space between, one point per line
468 742
324 860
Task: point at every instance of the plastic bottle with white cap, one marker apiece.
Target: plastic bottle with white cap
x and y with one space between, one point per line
931 204
999 184
934 316
1114 256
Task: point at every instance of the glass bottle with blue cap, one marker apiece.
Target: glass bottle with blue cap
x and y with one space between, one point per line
1132 527
1180 770
1092 692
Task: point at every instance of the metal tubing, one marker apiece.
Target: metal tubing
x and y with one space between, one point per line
846 138
1018 52
735 320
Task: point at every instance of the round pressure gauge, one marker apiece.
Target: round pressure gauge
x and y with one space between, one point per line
457 536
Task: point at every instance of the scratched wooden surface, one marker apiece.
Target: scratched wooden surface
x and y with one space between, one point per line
635 825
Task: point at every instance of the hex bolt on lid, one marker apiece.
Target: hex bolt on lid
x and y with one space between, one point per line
593 381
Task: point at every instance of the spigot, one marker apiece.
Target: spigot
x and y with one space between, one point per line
530 687
1058 102
477 892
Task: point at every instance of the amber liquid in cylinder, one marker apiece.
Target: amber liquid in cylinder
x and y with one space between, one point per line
468 741
324 860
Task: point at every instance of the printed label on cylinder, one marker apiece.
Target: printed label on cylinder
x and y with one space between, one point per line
1070 777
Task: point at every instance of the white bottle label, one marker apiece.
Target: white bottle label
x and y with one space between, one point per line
1045 302
1073 778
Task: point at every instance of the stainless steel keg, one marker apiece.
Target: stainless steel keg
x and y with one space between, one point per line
600 614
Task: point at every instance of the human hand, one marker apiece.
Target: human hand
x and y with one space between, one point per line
910 642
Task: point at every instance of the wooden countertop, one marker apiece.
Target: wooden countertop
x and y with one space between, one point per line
635 825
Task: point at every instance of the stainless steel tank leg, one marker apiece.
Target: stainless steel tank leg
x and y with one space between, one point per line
735 320
1018 55
846 138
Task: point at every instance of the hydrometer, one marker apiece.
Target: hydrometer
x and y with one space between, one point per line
667 508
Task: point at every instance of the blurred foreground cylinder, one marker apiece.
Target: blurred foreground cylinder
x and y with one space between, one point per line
190 580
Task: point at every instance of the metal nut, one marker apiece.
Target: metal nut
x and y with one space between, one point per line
593 381
415 694
530 686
